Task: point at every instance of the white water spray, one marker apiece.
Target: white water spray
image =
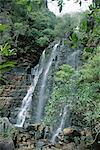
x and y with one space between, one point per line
28 98
59 130
43 84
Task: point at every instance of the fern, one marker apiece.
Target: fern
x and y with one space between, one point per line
6 65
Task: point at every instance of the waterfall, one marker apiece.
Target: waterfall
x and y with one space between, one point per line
59 130
43 84
28 98
74 59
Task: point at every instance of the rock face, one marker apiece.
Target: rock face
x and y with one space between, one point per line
38 136
33 137
5 127
67 131
6 142
13 93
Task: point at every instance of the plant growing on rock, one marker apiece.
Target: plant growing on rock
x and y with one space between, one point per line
5 63
87 98
61 94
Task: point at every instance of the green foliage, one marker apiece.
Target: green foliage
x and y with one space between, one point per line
43 41
6 66
20 28
85 102
84 24
88 91
64 74
7 130
3 27
31 26
74 39
66 23
90 72
87 97
49 33
62 26
61 94
5 53
6 50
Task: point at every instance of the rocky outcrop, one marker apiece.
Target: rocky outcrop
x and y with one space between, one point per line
11 95
38 136
5 127
6 142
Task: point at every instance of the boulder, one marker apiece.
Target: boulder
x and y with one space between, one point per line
6 144
40 144
5 127
70 146
32 127
68 131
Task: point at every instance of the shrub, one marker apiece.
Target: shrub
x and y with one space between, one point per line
43 41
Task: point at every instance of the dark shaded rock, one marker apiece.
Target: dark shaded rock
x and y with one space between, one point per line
6 144
32 127
96 146
5 127
70 146
40 144
6 132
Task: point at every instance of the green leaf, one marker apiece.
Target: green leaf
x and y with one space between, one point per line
74 37
84 24
3 27
6 51
7 64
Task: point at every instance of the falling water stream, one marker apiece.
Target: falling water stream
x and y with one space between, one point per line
62 124
74 61
28 98
43 84
40 73
26 103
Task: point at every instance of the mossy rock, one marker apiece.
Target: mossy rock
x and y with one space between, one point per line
5 128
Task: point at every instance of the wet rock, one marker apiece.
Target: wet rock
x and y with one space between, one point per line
83 133
68 131
70 146
96 146
8 135
32 127
87 135
5 127
38 135
40 144
6 144
47 132
82 146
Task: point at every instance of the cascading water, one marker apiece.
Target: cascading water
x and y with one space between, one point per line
28 98
62 124
43 84
74 60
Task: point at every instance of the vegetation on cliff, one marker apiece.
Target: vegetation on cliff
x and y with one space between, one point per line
27 28
30 26
84 102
